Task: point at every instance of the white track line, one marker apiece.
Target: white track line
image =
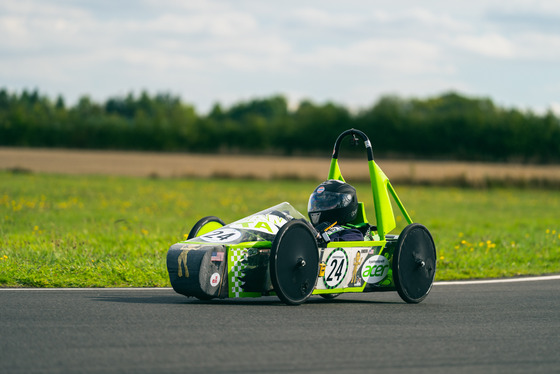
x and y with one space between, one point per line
505 280
445 283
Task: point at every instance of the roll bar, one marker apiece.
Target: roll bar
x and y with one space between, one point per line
380 186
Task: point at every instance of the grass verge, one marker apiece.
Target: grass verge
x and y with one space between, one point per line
94 231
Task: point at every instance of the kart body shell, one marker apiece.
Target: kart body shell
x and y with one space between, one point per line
278 252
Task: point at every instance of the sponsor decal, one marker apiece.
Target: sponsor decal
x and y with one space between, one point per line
182 261
267 223
217 256
322 267
375 269
215 279
357 262
221 236
336 268
321 189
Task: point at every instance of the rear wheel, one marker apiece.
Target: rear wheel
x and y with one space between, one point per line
294 262
205 225
414 263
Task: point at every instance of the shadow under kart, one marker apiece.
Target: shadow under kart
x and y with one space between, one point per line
278 252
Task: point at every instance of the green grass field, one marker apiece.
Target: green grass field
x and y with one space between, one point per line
91 231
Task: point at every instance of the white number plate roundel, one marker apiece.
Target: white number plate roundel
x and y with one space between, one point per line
336 268
221 236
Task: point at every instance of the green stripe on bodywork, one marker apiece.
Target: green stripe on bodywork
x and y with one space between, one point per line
263 245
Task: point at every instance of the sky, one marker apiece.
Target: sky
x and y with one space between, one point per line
350 52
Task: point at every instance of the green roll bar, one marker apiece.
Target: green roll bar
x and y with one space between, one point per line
381 188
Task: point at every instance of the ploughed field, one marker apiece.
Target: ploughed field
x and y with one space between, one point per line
269 167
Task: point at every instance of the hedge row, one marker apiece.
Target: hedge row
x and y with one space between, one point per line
450 126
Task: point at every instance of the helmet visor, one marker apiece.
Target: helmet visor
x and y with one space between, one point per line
326 200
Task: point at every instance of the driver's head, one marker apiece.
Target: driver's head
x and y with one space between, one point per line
333 201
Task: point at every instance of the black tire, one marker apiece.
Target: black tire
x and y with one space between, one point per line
294 262
208 221
414 263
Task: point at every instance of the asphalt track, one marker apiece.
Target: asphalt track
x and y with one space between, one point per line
462 327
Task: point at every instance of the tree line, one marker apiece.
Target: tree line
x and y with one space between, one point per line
448 126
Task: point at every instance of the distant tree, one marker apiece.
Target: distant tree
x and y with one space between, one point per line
450 125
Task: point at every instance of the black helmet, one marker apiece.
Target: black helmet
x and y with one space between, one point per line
333 201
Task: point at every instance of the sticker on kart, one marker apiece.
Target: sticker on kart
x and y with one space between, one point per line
224 235
336 268
266 223
375 269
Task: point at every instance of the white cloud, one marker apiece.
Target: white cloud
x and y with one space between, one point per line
489 45
323 18
426 21
226 24
555 107
539 46
349 52
377 56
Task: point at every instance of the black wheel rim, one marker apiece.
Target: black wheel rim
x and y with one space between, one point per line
414 263
294 263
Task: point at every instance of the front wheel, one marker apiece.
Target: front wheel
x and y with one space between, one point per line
294 262
414 263
205 225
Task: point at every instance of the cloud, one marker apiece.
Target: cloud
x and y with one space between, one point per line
539 47
489 45
219 50
228 24
322 18
400 56
555 108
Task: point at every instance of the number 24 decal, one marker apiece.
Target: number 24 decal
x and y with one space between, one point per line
336 268
336 271
221 235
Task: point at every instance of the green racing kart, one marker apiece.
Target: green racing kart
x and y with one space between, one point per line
278 252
